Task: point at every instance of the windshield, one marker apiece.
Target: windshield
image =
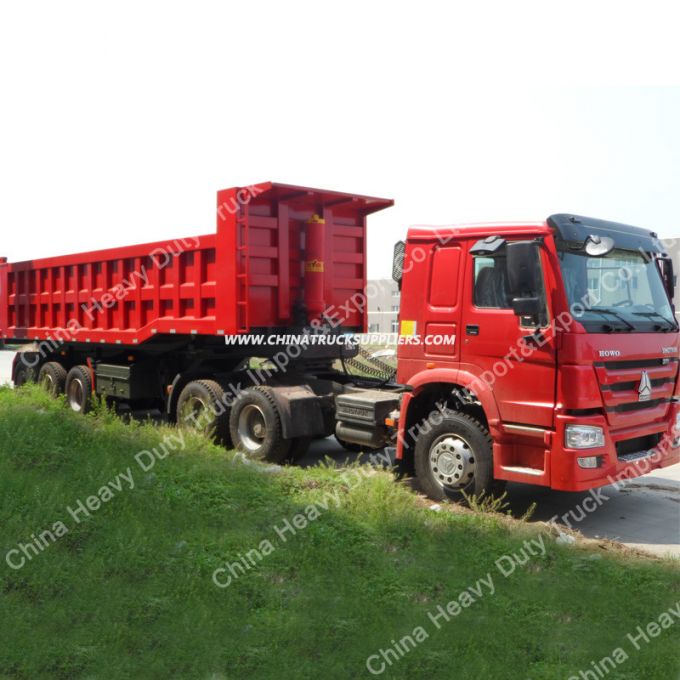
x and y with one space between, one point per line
622 291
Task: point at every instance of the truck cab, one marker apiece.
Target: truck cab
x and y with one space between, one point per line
544 353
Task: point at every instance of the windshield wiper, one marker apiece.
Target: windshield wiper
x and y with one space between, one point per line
628 324
671 326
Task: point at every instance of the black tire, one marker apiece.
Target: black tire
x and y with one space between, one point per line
201 406
255 426
79 389
23 374
455 458
52 377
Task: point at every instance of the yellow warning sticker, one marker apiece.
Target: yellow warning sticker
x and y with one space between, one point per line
314 266
408 327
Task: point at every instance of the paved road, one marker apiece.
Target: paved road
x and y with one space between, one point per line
645 514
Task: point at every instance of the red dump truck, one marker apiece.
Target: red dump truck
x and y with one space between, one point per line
544 353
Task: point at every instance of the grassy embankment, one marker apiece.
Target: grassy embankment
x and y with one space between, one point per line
128 591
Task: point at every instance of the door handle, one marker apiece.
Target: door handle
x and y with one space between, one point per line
472 329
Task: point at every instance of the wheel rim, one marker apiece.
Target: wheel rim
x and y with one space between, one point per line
76 393
252 427
48 383
452 461
192 411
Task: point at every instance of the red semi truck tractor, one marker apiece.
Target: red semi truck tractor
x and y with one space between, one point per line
544 353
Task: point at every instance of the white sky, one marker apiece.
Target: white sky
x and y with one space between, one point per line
119 121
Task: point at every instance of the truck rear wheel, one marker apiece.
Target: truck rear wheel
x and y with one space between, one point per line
52 377
79 389
201 406
255 426
455 458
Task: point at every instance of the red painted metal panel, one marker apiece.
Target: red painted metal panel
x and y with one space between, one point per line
250 274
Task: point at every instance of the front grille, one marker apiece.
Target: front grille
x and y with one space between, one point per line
637 406
637 363
620 383
624 386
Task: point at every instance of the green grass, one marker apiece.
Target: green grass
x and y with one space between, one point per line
128 592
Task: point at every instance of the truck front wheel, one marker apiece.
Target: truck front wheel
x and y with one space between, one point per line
455 458
255 426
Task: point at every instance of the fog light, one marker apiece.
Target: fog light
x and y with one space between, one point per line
589 462
583 437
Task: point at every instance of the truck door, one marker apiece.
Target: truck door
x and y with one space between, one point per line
514 355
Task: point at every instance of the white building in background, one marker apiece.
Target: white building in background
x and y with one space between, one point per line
383 306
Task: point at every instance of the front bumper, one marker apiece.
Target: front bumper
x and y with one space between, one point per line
567 475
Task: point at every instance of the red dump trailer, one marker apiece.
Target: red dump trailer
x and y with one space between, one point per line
280 257
150 324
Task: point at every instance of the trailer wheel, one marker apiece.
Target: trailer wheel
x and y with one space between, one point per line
52 377
255 426
455 457
79 389
23 374
201 406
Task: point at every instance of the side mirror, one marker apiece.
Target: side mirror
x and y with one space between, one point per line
669 279
522 261
398 261
527 306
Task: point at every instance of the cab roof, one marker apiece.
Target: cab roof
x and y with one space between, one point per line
565 227
476 230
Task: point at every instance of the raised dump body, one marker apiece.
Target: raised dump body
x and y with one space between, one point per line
281 256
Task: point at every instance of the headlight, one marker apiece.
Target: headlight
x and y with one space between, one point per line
583 437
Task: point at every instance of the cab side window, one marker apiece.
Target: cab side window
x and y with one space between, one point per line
491 282
490 290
